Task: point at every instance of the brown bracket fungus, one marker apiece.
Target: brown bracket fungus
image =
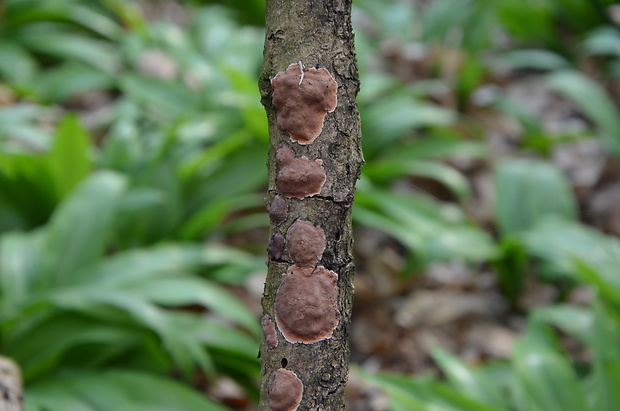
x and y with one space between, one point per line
302 99
285 390
306 304
305 243
276 245
298 177
278 210
269 330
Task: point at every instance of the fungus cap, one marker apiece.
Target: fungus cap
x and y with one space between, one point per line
278 210
285 390
305 243
298 177
269 331
276 245
302 99
306 304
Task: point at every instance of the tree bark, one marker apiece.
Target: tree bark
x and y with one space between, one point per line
10 386
308 291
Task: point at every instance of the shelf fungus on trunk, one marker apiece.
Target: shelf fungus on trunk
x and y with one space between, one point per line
305 243
298 177
269 331
278 210
302 99
306 304
285 390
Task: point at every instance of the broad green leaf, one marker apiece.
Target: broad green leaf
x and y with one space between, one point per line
387 120
68 157
16 65
168 99
527 191
183 291
115 390
105 304
444 174
79 228
469 382
546 378
578 251
58 337
538 59
603 41
70 80
20 264
606 373
51 39
400 388
575 321
593 101
435 231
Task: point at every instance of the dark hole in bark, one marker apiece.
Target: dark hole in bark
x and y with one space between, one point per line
284 362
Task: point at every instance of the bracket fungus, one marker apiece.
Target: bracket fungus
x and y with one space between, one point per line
285 390
306 304
305 243
278 210
269 330
276 245
298 177
302 99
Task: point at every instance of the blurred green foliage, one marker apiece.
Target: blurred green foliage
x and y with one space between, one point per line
131 147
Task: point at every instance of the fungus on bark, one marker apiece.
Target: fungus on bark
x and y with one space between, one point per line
305 243
276 245
298 177
285 390
278 210
269 330
306 304
302 99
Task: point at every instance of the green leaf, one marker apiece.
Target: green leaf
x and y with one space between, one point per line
575 321
606 340
115 390
593 101
468 381
389 169
580 252
538 59
546 378
16 65
50 39
106 305
183 291
20 263
56 338
71 79
435 231
68 157
78 230
527 191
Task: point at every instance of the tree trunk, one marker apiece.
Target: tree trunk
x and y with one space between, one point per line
10 386
314 162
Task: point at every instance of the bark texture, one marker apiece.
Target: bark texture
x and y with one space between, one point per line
10 386
318 34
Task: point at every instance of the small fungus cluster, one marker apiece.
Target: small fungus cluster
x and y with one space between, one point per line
285 390
302 99
298 177
306 302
